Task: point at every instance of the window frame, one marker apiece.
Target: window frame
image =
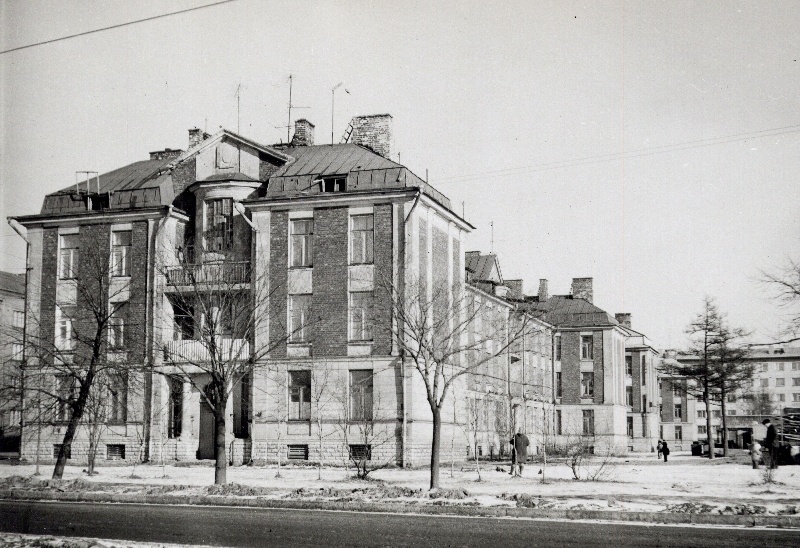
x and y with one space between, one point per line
587 388
118 326
360 331
361 391
218 224
362 239
121 266
299 384
587 347
68 269
588 425
298 334
301 244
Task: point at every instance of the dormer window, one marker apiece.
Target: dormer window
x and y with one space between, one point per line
332 184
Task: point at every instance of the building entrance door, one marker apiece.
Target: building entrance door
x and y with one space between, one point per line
205 449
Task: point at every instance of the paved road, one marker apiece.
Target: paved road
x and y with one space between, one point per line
264 527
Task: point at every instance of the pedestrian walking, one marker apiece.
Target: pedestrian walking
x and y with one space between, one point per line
769 443
659 448
519 453
665 450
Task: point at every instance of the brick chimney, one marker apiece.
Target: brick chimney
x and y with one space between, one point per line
515 288
303 133
543 292
582 289
165 154
624 318
195 136
374 132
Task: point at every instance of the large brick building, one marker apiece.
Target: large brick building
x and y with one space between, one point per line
330 235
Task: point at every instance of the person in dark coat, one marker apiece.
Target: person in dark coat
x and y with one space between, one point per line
665 450
519 453
769 443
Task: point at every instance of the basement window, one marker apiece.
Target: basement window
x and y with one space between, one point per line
332 184
298 452
360 452
115 452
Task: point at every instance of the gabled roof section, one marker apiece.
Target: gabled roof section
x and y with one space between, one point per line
223 133
567 311
483 267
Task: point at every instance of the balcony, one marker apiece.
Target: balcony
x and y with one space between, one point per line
227 273
192 351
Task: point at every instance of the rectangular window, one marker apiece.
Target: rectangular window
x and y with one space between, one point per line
121 253
558 349
299 310
183 321
795 366
629 365
558 384
360 452
629 396
301 250
361 316
115 452
764 383
779 383
558 422
701 414
65 393
68 257
175 407
796 381
731 412
795 397
117 322
588 422
678 412
731 398
361 395
16 351
65 333
297 452
117 399
332 184
587 385
299 395
676 391
361 238
219 224
678 433
716 413
19 319
587 350
630 427
702 430
644 371
782 397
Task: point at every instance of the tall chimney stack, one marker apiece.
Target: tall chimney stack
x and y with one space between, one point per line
582 289
303 133
624 318
374 132
195 136
544 294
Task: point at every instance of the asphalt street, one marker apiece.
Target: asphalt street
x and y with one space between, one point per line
224 526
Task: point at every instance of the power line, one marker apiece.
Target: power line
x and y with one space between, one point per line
649 151
116 26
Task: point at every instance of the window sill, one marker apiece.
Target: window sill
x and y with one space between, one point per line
302 267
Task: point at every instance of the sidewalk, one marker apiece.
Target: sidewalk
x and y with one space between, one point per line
636 488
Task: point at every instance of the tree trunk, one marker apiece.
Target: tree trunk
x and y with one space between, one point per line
435 446
220 455
724 424
707 398
66 445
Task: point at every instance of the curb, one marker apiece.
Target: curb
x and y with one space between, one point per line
784 522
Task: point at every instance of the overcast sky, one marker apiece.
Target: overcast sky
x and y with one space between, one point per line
652 146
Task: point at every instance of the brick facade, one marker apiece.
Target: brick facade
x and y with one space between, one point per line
383 254
329 301
278 279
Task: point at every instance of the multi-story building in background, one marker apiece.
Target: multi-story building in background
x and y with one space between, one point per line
775 387
12 317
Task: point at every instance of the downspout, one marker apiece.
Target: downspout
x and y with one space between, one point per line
401 334
14 224
149 326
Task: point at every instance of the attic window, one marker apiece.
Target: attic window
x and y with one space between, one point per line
332 184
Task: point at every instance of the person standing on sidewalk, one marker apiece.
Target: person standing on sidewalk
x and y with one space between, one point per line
659 447
665 450
519 451
769 443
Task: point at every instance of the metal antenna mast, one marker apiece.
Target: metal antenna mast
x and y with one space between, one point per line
291 106
238 100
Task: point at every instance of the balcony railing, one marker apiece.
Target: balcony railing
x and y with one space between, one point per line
209 273
192 351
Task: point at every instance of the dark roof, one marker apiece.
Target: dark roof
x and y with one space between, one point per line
237 176
12 283
567 311
142 174
322 160
480 265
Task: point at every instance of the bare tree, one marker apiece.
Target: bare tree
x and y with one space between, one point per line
93 338
733 369
785 282
475 421
448 332
761 401
219 311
